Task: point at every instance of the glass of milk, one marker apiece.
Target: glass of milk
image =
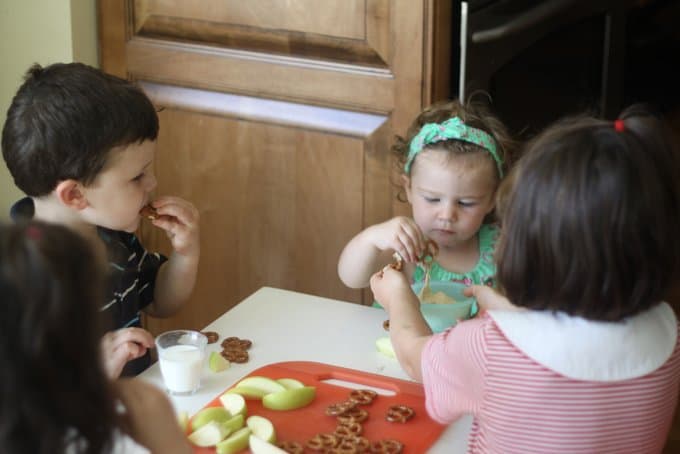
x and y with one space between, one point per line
181 354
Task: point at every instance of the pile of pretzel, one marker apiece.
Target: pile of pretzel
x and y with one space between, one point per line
233 348
347 437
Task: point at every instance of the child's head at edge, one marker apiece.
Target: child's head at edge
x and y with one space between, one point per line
590 218
67 121
51 283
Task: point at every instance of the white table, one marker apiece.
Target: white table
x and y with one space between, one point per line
290 326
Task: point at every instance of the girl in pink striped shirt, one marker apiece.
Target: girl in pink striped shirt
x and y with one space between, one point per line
579 354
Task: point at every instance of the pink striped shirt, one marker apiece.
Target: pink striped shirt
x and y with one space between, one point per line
521 406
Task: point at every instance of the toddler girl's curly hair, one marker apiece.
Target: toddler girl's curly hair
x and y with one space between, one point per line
473 113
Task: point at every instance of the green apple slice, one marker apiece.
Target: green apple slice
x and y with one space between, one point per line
290 399
259 446
209 435
217 362
384 345
234 403
262 428
235 423
203 417
248 392
183 420
267 385
290 383
238 441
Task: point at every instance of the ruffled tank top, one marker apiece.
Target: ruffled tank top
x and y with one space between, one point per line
482 274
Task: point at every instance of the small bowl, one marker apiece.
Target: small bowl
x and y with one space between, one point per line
443 316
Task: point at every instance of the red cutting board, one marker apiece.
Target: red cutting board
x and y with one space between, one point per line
417 435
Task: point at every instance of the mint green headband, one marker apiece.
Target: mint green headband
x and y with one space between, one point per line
453 128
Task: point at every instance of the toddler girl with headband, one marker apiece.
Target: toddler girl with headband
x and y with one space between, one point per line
449 165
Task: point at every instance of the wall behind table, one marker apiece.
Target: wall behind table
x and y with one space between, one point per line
36 31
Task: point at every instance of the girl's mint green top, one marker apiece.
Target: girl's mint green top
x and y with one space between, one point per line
442 316
482 274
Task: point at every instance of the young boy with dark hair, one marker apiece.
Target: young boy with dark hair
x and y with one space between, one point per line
81 143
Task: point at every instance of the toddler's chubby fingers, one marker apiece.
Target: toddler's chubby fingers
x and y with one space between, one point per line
120 346
181 210
136 335
410 241
388 278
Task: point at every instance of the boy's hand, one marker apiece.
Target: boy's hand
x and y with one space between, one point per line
123 345
400 234
390 287
180 220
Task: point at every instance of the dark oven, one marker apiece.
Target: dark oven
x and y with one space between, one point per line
541 59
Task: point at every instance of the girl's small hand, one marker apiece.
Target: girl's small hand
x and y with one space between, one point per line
489 299
123 345
402 235
390 287
180 220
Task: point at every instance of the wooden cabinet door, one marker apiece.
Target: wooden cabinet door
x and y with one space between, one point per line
276 122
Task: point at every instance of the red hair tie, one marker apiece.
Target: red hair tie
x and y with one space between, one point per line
619 126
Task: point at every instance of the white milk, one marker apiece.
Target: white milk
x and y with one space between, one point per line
181 367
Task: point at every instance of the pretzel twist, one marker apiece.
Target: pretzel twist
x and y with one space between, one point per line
360 442
399 413
236 356
321 442
349 430
291 447
362 396
232 343
340 408
353 415
431 250
387 447
345 447
211 335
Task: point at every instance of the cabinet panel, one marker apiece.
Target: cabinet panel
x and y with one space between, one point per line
339 18
337 30
257 75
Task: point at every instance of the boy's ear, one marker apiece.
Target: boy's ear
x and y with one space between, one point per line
71 194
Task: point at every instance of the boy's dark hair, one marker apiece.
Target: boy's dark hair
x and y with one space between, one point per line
53 383
474 113
590 218
64 120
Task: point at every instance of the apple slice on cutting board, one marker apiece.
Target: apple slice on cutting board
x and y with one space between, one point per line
238 441
209 434
262 428
290 383
203 417
234 403
267 385
289 399
259 446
